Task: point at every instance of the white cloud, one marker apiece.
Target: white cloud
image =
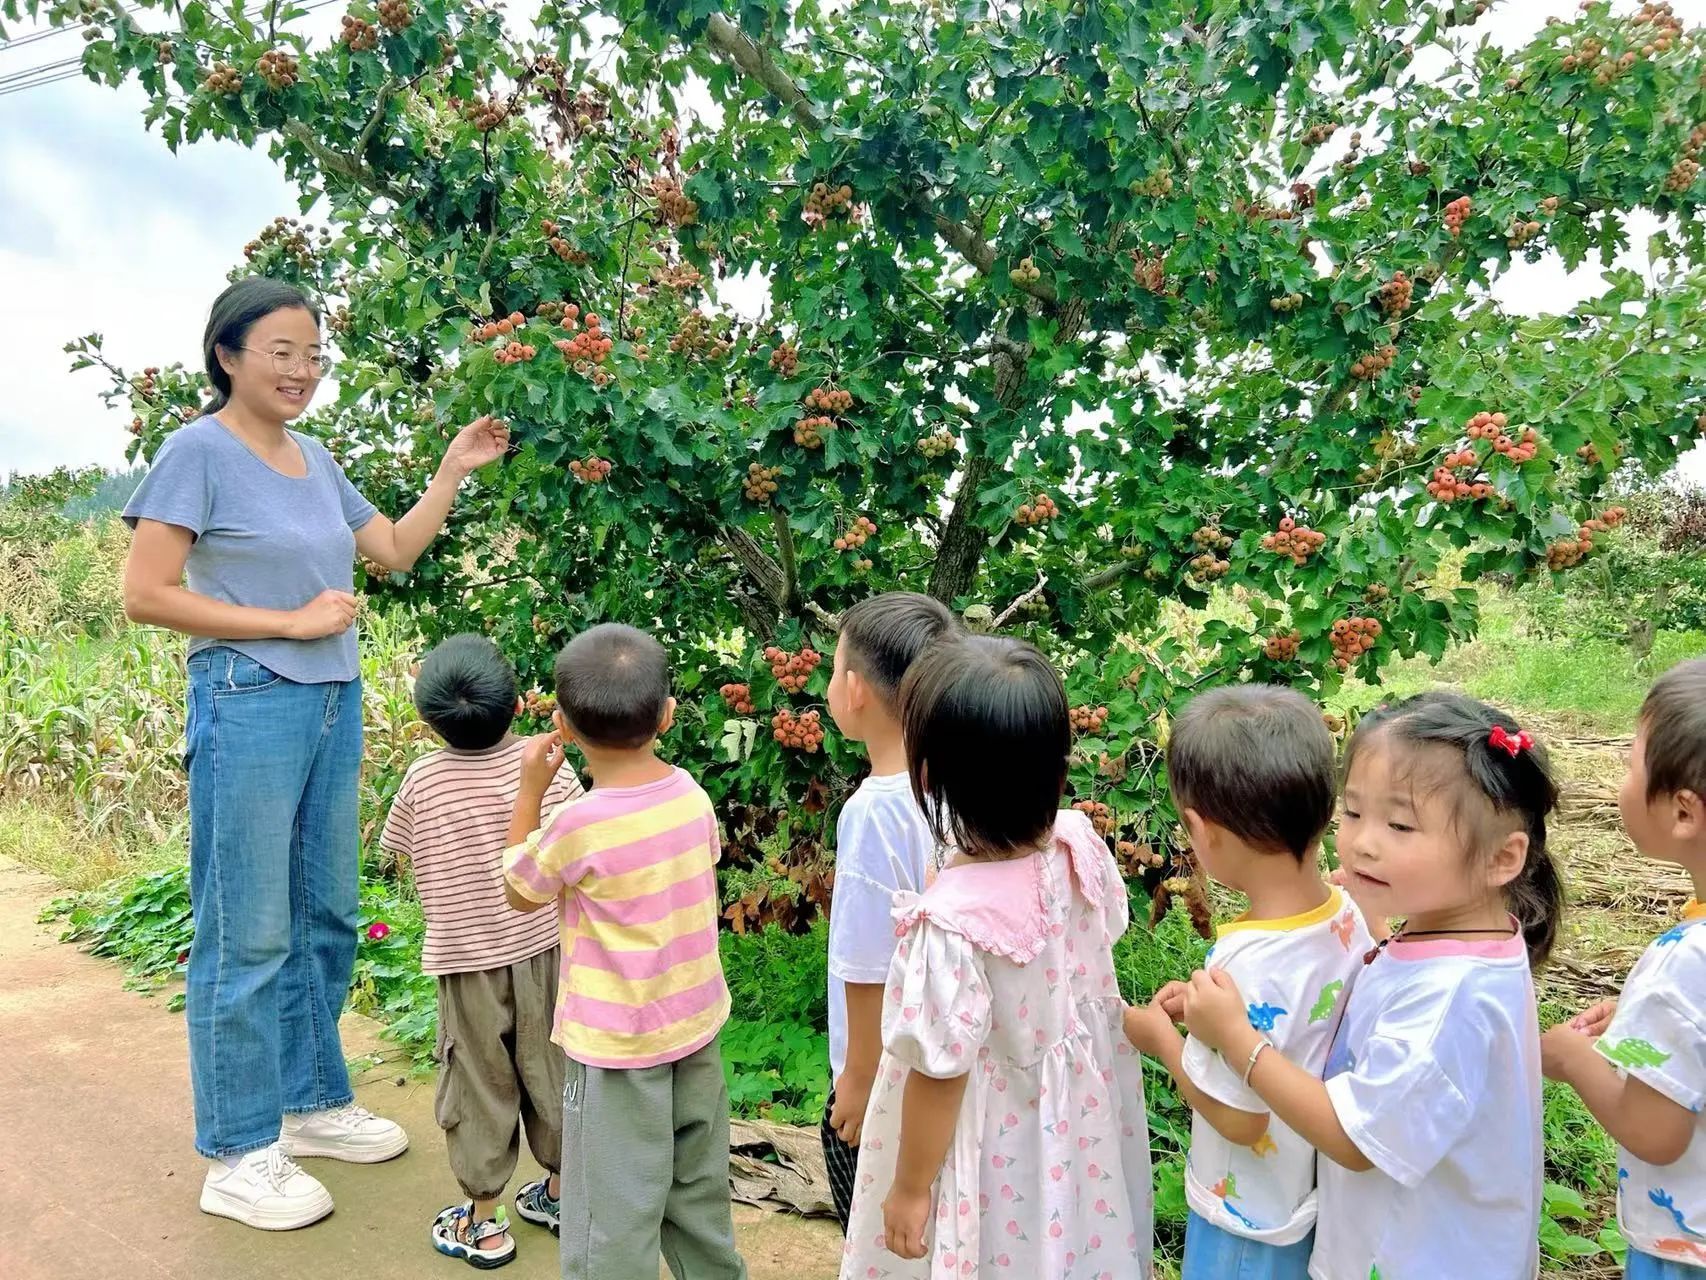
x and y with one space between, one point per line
102 228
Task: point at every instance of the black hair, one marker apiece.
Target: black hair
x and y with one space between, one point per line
613 686
236 311
987 738
1256 759
882 636
466 692
1674 716
1487 783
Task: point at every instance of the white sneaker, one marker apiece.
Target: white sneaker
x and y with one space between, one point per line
348 1133
265 1189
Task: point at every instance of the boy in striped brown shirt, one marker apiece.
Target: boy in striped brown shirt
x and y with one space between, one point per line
496 968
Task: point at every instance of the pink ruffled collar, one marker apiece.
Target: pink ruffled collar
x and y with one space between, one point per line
1006 907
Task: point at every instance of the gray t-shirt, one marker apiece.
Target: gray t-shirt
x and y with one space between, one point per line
262 539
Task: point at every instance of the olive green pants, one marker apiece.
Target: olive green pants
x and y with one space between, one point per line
499 1072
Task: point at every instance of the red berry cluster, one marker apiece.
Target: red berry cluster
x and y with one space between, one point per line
1448 486
1375 363
739 698
1281 646
1298 541
802 732
556 312
499 328
857 535
785 359
824 202
792 670
540 705
1101 817
1150 271
760 482
1589 454
1088 719
827 399
360 35
681 276
1039 510
223 78
289 238
1457 213
1352 637
678 208
515 353
1520 449
591 469
485 114
1135 857
808 432
278 69
1393 297
567 252
589 347
1486 426
395 15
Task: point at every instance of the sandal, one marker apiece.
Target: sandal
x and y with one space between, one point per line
534 1204
485 1245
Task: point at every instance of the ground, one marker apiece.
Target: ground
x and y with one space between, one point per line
96 1082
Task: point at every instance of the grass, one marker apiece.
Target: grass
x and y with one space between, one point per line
44 834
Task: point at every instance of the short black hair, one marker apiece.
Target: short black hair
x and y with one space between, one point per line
1256 759
1674 716
1448 739
987 739
466 692
613 685
882 636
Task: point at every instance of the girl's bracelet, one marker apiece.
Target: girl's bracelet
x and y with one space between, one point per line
1250 1062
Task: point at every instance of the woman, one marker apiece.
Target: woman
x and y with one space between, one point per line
268 528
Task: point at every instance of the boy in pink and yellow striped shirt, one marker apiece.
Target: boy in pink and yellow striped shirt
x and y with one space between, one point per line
631 869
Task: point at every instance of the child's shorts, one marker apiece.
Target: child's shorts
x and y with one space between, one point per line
1212 1253
1644 1266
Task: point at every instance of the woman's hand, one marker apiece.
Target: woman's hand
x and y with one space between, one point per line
481 441
905 1215
330 613
1214 1009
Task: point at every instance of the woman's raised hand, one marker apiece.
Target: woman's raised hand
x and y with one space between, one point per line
328 614
483 440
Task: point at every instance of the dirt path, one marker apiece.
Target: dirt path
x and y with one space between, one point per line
97 1161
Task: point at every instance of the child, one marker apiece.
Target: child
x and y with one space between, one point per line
882 845
1647 1082
497 971
1006 1136
1430 1112
1251 771
631 869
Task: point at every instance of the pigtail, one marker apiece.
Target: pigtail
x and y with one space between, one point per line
1536 899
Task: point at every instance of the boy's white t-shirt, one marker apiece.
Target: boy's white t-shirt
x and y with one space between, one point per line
882 845
1658 1036
1294 973
1435 1076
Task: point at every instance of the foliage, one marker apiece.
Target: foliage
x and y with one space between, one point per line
1094 260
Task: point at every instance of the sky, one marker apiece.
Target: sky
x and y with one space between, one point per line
102 228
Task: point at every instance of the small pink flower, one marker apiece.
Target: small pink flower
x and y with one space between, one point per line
1006 1191
1101 1206
997 1162
1010 1120
1095 1170
1012 1226
983 1203
378 931
1057 1173
1002 1260
184 956
1095 1242
1055 1230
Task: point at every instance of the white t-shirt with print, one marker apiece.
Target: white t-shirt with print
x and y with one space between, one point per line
1293 972
882 845
1659 1037
1435 1076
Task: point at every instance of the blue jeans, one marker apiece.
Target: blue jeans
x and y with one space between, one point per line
274 884
1215 1254
1644 1266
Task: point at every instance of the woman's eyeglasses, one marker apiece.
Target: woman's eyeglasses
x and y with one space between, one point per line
285 363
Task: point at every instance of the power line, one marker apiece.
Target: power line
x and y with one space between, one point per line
13 77
21 41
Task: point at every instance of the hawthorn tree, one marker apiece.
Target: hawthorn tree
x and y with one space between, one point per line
1070 309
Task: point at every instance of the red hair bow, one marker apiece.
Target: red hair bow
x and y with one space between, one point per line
1513 743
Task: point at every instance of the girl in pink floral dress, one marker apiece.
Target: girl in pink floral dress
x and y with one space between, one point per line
1006 1135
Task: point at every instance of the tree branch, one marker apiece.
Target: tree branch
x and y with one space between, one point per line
349 168
756 563
785 548
1019 602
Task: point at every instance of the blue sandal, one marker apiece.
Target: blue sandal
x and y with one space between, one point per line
533 1203
456 1234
